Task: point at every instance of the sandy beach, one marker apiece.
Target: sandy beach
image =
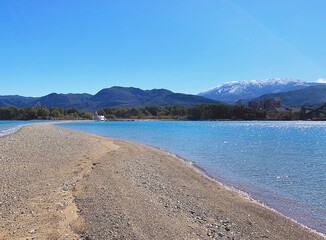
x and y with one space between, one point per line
63 184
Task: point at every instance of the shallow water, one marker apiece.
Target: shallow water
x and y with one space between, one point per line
8 127
282 164
11 126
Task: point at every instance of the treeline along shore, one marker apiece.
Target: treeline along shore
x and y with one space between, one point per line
198 112
64 184
193 113
42 113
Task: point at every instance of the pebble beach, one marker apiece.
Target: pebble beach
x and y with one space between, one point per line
64 184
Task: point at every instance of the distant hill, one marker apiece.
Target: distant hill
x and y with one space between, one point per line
15 100
108 97
314 96
61 100
132 97
246 90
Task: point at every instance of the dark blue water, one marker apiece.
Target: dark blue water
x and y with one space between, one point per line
282 164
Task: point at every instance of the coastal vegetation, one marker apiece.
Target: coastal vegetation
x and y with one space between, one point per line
194 113
198 112
42 113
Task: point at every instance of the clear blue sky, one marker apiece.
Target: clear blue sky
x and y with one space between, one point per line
182 45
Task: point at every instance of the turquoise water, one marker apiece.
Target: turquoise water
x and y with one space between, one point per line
8 127
282 164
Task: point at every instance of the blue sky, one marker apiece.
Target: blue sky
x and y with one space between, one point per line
182 45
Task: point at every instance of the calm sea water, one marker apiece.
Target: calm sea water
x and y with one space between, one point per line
8 127
282 164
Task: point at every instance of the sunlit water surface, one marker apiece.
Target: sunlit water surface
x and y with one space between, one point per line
281 164
8 127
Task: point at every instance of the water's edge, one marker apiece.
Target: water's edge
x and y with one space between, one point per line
191 164
204 172
244 194
12 130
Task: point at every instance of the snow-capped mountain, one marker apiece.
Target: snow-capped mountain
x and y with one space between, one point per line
231 92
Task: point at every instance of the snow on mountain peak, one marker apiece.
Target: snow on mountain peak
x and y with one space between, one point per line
230 92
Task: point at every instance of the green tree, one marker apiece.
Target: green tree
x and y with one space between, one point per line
43 113
31 113
55 113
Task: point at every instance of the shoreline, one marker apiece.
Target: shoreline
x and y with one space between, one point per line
12 130
149 177
293 209
243 193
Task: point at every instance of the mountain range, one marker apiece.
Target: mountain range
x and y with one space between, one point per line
293 93
311 96
108 97
246 90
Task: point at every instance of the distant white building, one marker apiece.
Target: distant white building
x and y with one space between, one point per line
97 117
